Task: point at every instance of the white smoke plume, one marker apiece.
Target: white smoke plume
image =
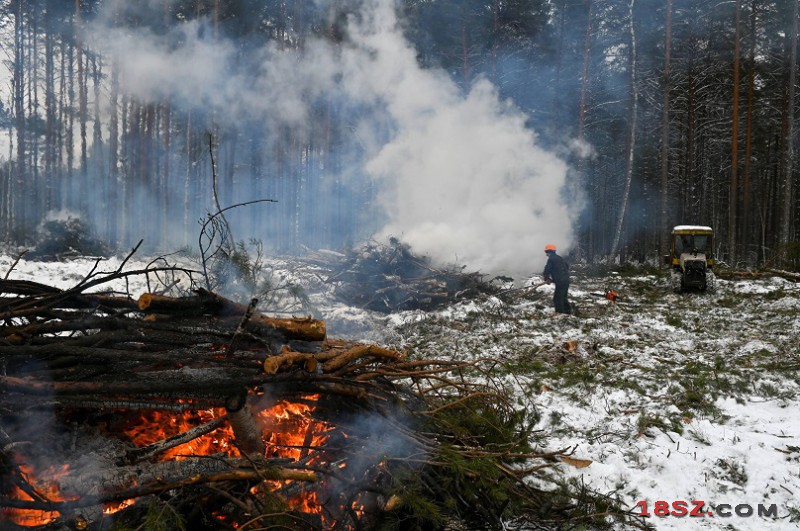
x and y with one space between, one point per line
460 176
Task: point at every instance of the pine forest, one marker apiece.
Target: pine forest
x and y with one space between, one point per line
142 117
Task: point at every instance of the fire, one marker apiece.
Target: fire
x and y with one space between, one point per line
289 430
154 426
45 484
111 508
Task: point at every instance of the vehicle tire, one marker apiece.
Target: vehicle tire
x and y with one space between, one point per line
711 282
676 279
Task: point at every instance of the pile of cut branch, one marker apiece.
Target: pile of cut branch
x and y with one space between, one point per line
391 278
107 400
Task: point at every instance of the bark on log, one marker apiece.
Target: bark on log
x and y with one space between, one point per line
26 287
162 382
207 303
360 351
759 273
185 306
267 474
246 431
289 357
304 328
789 275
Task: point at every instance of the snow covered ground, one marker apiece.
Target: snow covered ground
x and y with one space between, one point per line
672 398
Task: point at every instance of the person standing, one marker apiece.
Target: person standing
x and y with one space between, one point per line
557 271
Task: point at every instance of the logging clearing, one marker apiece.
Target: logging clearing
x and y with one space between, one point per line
206 409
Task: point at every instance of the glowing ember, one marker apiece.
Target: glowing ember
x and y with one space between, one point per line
112 508
45 484
288 431
154 426
291 431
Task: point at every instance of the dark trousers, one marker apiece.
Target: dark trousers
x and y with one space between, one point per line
560 298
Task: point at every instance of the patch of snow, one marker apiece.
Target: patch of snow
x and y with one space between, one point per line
784 304
751 347
754 287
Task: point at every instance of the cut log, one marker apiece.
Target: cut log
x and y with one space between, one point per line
187 306
789 275
360 351
304 328
207 303
729 274
247 433
289 357
160 383
204 303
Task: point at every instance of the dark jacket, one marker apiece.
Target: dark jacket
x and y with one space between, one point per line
556 269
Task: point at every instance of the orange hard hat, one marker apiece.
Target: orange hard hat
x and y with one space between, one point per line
550 247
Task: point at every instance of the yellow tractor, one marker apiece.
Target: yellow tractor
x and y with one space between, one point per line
691 258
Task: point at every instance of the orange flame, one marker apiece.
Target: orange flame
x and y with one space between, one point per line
46 485
288 431
154 426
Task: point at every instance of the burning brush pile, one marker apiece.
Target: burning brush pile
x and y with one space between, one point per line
193 411
390 278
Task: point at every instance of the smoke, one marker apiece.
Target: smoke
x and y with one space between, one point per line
459 176
463 179
467 183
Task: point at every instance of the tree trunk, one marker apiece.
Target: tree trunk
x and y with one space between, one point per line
733 199
691 151
663 226
582 171
33 187
210 303
745 218
495 37
69 137
787 220
17 181
99 170
631 137
216 18
113 157
165 191
51 106
83 114
125 110
147 165
188 189
555 122
465 50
